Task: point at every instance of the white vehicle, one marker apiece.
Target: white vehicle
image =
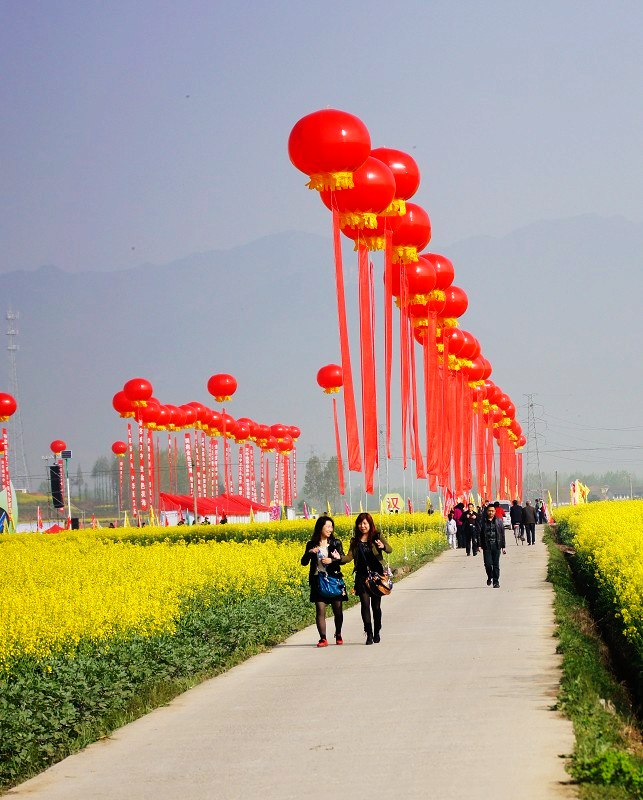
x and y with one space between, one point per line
504 505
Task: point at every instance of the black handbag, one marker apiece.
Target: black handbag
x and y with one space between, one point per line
378 585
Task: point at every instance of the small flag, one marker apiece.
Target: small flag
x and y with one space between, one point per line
410 505
306 514
68 522
94 522
347 509
125 521
361 507
328 511
39 519
252 514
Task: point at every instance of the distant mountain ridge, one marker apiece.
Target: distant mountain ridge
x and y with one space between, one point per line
555 305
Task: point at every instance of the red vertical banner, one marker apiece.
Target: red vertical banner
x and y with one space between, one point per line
240 469
367 349
150 467
404 362
63 488
211 478
253 478
204 467
519 477
350 412
276 482
132 470
282 478
287 497
294 473
417 449
248 472
338 450
229 452
267 481
263 463
141 468
188 461
197 464
215 476
388 333
120 484
6 477
169 463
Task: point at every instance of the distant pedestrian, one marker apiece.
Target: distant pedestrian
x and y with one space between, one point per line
529 520
515 512
365 550
458 511
452 531
224 519
470 529
491 538
324 552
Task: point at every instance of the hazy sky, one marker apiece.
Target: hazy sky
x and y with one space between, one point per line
144 131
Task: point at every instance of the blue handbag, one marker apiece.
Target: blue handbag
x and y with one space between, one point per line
331 587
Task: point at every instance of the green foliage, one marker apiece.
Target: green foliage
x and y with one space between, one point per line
591 697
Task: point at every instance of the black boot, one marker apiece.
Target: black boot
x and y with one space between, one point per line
377 620
369 633
376 636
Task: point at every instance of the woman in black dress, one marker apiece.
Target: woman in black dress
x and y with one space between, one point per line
324 552
366 549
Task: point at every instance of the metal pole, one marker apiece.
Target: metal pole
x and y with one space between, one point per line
556 487
68 490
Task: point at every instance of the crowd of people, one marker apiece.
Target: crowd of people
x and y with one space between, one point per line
483 528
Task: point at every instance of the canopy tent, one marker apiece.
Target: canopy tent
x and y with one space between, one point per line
232 505
55 528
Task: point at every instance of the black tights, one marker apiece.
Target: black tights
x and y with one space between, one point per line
338 613
375 603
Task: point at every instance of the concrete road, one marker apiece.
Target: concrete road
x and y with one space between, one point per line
454 703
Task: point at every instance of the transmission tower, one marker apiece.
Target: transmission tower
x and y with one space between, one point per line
531 466
17 459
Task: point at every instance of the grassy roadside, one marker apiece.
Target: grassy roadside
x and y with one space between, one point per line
608 759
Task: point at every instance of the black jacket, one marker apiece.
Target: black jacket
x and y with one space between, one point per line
470 520
515 512
500 528
529 515
374 557
311 558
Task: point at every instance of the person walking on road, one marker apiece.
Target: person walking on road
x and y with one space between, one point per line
366 550
529 520
470 529
515 512
452 529
491 538
324 552
458 511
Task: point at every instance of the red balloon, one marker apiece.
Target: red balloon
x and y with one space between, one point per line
176 417
278 431
415 229
330 378
263 433
285 445
121 404
215 421
138 391
420 334
470 348
488 369
189 415
294 432
456 302
444 270
329 141
515 427
242 431
476 371
420 276
404 168
8 406
228 425
149 415
57 446
373 190
522 441
163 418
503 401
222 387
479 392
510 411
119 449
270 443
455 339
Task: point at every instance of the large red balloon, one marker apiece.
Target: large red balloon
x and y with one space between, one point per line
470 348
456 302
404 168
522 441
477 369
150 415
455 340
444 270
372 192
294 432
138 391
279 431
242 431
8 406
329 141
57 446
222 386
415 228
420 276
121 404
330 378
189 415
488 369
119 449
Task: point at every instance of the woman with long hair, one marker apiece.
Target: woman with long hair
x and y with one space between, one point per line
366 551
324 552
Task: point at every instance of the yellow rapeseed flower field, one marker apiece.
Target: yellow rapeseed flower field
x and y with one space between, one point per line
58 592
609 536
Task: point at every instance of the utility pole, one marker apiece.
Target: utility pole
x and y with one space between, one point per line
533 475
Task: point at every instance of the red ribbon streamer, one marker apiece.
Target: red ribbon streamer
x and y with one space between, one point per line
338 448
350 413
367 349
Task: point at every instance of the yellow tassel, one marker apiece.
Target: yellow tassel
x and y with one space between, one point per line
436 294
223 399
405 254
331 181
371 243
420 323
397 208
450 322
332 390
358 219
440 348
